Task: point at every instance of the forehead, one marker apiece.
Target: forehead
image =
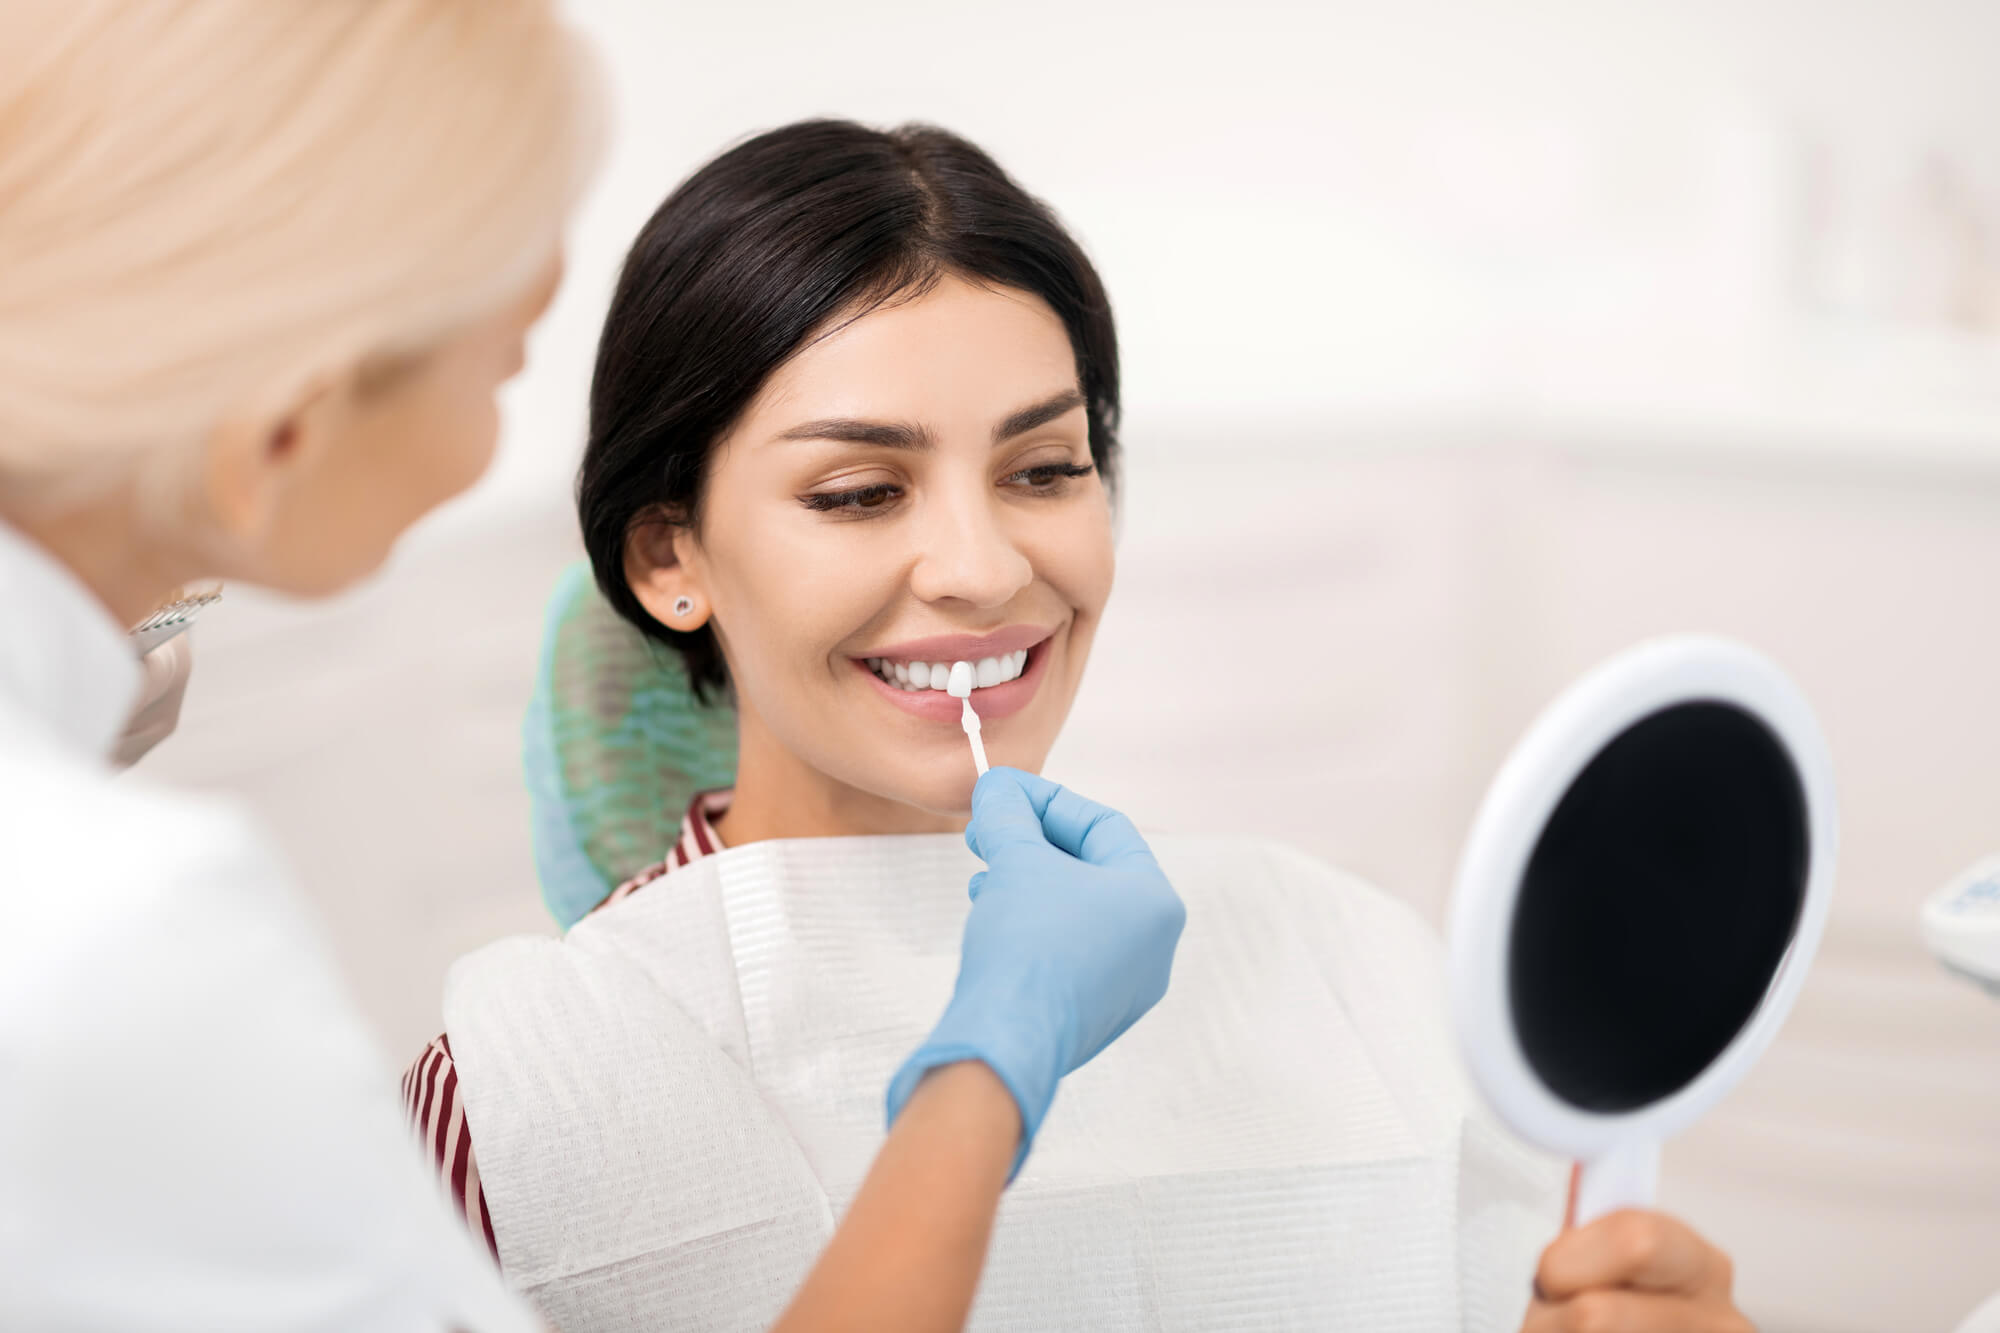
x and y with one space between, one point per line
958 351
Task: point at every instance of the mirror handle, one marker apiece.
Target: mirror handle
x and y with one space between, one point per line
1625 1176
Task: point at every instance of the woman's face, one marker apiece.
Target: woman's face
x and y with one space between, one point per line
378 451
913 487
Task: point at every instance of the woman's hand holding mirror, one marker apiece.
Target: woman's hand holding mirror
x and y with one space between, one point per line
1638 902
1634 1271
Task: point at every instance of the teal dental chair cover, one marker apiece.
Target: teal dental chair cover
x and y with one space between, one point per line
615 746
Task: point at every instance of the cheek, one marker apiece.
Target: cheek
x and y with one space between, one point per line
431 445
787 599
398 460
1077 560
460 435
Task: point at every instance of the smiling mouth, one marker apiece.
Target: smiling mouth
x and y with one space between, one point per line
915 677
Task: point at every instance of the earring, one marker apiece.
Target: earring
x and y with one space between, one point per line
683 605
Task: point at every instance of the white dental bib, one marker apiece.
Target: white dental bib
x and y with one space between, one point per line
672 1106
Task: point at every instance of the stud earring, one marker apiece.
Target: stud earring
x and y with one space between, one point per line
683 605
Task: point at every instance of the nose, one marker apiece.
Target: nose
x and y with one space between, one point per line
966 554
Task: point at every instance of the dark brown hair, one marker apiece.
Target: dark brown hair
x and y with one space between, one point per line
750 257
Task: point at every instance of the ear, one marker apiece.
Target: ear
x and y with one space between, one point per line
663 569
253 459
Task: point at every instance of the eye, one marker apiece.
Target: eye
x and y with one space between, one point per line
861 500
1048 478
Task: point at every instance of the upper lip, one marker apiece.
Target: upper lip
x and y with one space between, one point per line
962 647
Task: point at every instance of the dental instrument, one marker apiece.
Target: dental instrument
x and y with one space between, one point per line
959 687
172 619
1961 924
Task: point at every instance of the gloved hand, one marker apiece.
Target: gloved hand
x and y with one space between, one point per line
1069 941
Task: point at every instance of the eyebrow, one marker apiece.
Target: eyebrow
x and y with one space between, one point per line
883 434
902 435
1041 414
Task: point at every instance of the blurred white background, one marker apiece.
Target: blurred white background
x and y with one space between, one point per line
1464 344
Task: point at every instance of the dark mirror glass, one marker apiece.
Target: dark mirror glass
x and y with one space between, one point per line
1657 906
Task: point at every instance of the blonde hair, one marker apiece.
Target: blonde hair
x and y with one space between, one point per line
205 205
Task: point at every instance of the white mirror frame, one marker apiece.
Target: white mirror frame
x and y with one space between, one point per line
1619 1151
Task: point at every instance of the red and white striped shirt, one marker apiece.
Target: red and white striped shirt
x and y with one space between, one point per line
430 1084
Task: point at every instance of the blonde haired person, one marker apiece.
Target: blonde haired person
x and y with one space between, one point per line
263 266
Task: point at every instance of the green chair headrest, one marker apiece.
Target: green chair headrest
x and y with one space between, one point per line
616 745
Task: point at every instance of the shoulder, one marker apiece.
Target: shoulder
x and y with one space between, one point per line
152 931
190 1090
1259 875
1251 898
92 862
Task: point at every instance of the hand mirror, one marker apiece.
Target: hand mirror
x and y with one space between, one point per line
1637 904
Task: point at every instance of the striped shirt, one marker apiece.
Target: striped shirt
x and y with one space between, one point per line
430 1084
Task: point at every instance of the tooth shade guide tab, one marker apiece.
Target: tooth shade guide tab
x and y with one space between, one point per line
968 720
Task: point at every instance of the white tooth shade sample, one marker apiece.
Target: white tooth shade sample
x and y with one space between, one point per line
959 683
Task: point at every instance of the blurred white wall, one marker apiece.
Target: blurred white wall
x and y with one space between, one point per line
1464 344
1770 209
1338 652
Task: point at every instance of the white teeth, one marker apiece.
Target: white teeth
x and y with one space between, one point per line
915 676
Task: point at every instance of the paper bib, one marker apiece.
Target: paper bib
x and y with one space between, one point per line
672 1105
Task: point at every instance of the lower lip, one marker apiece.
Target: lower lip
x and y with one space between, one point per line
994 702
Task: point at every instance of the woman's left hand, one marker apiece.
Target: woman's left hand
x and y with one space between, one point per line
1634 1272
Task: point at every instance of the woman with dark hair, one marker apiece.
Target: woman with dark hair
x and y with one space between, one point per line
854 421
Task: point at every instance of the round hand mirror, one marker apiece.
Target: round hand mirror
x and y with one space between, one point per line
1637 905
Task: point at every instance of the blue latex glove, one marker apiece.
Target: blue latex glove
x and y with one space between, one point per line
1069 941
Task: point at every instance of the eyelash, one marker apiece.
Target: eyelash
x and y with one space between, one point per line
1046 479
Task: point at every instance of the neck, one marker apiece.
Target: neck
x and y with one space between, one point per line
106 546
779 795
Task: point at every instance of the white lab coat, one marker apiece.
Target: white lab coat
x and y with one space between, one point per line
196 1131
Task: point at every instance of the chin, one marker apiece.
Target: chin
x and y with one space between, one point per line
948 795
948 791
320 581
939 786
